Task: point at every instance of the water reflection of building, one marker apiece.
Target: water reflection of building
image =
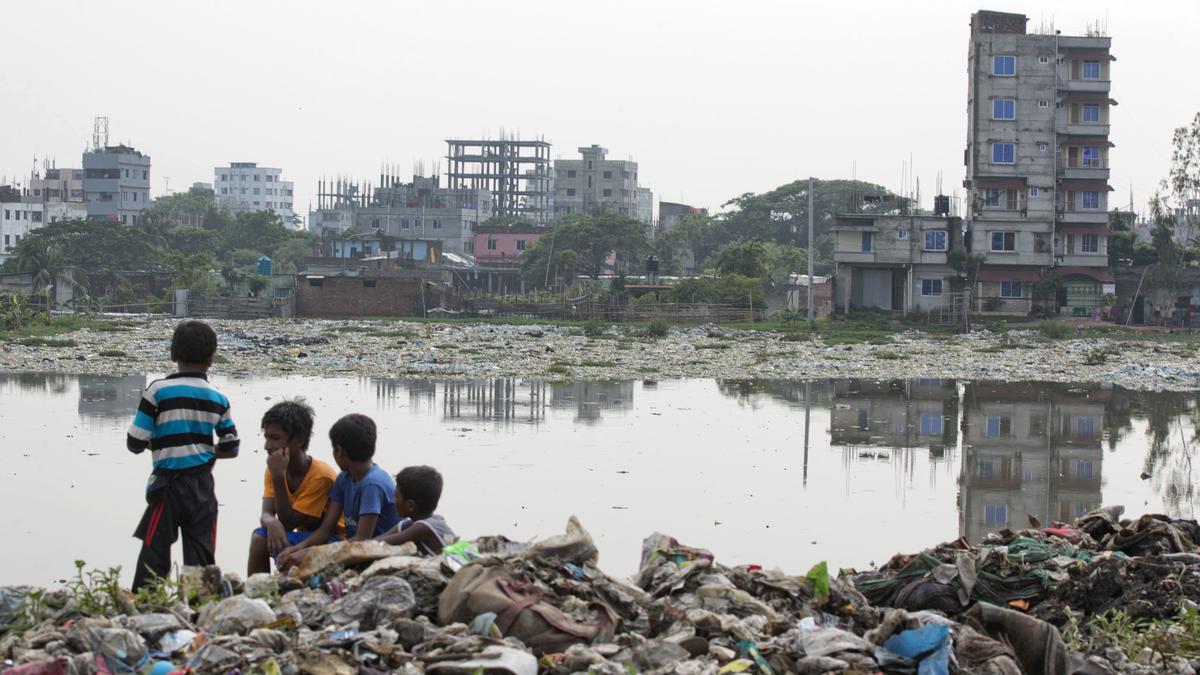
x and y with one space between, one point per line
54 383
788 391
501 399
1033 449
110 396
590 399
895 414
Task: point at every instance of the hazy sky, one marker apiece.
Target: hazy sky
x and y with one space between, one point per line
713 99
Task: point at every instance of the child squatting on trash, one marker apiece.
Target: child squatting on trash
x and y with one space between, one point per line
418 490
295 486
363 493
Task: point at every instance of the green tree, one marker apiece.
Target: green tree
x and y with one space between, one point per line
286 256
191 240
96 245
1184 178
259 231
784 260
48 266
747 257
582 244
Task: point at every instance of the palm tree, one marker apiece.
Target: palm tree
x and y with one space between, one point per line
48 267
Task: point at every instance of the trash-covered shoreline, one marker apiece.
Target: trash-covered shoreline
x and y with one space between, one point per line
321 348
493 605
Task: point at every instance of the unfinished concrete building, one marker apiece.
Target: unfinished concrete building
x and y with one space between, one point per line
595 182
1037 165
517 174
894 262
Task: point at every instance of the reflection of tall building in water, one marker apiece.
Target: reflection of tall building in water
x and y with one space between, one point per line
895 414
110 396
590 399
501 399
1033 449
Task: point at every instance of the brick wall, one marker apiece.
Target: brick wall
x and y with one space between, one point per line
360 296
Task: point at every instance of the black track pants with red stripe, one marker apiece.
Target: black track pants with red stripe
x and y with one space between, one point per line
177 503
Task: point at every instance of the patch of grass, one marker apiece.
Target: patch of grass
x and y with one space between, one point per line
597 364
1176 636
716 345
111 328
648 369
658 328
1055 330
1098 356
220 359
594 328
890 356
470 350
558 369
46 342
113 353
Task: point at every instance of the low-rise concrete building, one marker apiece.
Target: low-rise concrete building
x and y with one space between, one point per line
894 262
57 185
19 218
504 245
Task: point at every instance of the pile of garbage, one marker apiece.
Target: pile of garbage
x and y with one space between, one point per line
498 606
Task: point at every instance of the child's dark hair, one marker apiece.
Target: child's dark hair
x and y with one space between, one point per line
422 484
294 417
193 342
355 435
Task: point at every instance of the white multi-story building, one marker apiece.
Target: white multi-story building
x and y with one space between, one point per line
19 218
246 186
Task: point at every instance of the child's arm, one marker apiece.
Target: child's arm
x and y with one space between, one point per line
141 429
366 526
227 438
290 518
417 533
276 534
292 554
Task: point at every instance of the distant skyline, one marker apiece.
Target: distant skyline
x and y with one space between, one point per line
712 99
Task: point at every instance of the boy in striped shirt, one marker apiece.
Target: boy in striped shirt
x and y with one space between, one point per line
176 420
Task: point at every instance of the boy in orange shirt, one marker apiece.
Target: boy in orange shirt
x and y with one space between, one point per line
296 485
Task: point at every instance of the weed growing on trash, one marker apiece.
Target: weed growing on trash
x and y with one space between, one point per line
1177 636
97 592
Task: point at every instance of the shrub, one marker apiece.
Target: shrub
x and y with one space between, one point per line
658 328
1055 330
594 328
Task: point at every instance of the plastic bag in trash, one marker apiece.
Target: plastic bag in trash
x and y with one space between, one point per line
238 614
494 659
379 600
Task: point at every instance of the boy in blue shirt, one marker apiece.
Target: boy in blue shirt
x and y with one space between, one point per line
176 420
363 493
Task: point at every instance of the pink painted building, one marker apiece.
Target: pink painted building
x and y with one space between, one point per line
500 245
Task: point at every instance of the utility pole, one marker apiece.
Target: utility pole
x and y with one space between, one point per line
811 323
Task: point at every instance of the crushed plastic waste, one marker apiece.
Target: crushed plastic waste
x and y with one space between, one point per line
496 606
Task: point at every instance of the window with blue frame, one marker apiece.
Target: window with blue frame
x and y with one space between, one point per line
991 198
1085 427
935 240
1091 157
995 514
1005 66
1010 289
1003 153
867 238
1090 243
1091 112
931 425
997 426
1004 109
931 287
1004 241
1091 199
1091 70
1084 470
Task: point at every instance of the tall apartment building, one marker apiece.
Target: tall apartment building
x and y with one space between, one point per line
245 186
116 183
594 182
1037 164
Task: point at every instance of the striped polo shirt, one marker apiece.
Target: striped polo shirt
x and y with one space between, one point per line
177 418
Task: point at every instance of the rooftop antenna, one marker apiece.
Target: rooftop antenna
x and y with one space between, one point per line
100 133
